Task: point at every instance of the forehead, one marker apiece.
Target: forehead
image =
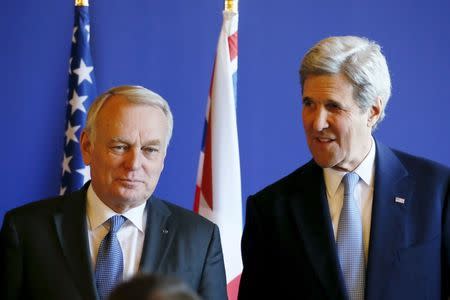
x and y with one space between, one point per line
118 116
334 87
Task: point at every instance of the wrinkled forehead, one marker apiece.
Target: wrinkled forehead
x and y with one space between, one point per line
117 107
131 121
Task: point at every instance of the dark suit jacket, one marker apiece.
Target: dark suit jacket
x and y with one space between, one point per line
288 245
44 251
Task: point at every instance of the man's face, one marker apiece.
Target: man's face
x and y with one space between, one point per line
337 131
127 154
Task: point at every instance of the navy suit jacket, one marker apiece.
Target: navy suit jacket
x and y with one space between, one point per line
44 250
288 245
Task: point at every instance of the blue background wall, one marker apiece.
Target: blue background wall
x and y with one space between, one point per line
169 46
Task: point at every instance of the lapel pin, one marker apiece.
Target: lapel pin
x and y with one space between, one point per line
165 231
399 200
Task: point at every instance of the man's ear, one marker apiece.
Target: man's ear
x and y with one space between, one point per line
375 112
86 147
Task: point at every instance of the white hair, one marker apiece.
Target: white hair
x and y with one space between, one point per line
134 94
360 60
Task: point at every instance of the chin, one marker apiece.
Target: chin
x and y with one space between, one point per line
325 163
130 196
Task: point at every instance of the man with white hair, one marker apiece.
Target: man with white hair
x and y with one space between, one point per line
81 245
360 220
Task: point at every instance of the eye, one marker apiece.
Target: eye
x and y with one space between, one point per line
333 106
307 102
151 149
120 148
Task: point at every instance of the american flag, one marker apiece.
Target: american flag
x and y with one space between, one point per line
81 93
218 190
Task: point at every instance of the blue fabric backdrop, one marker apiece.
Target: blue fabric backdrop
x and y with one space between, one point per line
169 46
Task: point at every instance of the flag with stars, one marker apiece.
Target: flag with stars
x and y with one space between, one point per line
81 92
218 189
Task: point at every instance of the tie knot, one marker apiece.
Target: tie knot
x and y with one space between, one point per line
350 180
116 222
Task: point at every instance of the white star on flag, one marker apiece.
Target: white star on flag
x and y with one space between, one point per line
65 164
77 102
88 30
74 40
70 65
70 133
86 173
83 72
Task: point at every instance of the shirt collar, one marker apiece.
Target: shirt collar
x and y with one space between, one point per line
98 212
365 171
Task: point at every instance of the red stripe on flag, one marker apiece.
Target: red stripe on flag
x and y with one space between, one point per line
197 198
233 288
207 187
211 84
233 45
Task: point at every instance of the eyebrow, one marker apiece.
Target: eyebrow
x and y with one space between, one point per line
119 140
150 142
334 102
325 101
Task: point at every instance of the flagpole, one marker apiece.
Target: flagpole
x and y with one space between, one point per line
81 2
231 5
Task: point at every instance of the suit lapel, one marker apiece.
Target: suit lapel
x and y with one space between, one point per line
158 235
388 219
71 228
313 219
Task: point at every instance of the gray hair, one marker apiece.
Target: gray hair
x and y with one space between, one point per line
360 60
134 94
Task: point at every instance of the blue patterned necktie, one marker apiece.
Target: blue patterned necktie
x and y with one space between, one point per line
109 267
350 241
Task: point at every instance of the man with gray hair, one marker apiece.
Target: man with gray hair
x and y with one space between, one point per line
79 246
360 220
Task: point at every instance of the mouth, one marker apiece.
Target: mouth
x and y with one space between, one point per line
324 140
128 181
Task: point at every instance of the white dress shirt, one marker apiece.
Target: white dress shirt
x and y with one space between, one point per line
363 194
130 235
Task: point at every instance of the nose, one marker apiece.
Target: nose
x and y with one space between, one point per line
320 119
133 159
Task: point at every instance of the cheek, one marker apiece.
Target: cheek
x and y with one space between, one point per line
306 123
305 117
342 127
158 168
349 137
153 168
108 165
